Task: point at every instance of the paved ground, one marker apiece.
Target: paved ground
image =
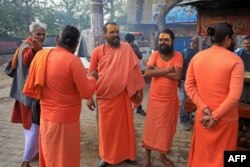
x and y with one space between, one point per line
11 136
4 58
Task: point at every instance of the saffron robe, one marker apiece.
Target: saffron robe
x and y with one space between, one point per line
60 85
163 106
215 80
119 79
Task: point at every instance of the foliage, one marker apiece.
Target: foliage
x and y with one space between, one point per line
16 15
160 19
115 11
73 12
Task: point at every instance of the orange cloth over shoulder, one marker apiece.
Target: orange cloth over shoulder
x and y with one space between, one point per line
65 85
116 65
14 60
15 56
36 77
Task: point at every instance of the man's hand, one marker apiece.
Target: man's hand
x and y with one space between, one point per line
91 104
36 45
207 120
170 69
206 111
94 74
165 71
138 97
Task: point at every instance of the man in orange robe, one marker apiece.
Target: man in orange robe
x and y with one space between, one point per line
58 78
214 83
119 84
165 68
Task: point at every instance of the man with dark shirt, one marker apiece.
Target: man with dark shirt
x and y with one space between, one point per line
188 53
129 38
244 53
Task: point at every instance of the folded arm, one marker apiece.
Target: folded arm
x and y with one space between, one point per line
173 73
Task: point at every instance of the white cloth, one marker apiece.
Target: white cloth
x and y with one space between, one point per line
31 145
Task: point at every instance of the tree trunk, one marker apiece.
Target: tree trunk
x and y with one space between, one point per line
96 16
160 19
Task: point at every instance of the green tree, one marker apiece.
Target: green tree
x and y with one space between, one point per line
6 20
73 12
17 15
115 11
49 16
160 19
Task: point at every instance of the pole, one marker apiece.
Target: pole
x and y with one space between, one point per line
96 15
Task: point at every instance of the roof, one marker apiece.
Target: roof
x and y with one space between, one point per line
216 4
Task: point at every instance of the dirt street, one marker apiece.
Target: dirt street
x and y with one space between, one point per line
11 136
4 58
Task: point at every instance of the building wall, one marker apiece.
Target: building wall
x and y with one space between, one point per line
143 11
140 17
139 12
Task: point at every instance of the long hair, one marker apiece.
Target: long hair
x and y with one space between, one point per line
219 32
69 36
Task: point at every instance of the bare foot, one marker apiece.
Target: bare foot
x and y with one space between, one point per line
146 164
166 161
25 164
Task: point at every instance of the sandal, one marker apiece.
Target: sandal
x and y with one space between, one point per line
131 162
102 163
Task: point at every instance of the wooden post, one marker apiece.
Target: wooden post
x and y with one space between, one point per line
96 15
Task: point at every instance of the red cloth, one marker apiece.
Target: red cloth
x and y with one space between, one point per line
21 114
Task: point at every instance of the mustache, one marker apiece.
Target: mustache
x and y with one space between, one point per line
162 45
165 47
116 37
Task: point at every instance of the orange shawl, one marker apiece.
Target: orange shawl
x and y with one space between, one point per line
15 56
36 77
119 65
